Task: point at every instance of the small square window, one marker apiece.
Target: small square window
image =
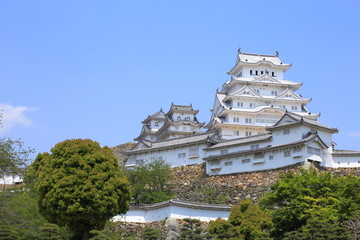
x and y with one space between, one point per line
287 153
247 160
228 163
271 157
286 131
224 151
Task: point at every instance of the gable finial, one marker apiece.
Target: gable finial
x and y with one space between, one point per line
277 53
239 50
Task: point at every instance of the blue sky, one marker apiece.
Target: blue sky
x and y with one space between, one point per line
96 69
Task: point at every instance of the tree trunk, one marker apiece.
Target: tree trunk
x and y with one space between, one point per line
85 235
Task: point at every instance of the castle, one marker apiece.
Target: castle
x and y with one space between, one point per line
258 122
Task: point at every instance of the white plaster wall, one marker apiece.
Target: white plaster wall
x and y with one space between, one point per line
11 179
346 162
171 156
246 71
182 116
172 212
237 166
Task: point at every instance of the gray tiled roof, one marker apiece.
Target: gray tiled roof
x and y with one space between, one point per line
240 141
345 153
298 119
160 115
174 142
264 149
180 203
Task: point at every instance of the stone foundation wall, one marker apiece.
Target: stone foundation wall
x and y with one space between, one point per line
190 183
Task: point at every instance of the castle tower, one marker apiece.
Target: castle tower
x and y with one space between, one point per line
256 96
178 122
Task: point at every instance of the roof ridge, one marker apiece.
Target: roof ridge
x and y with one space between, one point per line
255 54
187 136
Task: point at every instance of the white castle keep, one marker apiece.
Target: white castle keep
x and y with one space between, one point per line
258 122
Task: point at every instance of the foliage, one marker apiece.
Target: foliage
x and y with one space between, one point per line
80 185
318 229
353 226
20 216
13 156
246 221
150 181
49 231
152 234
192 230
212 196
298 199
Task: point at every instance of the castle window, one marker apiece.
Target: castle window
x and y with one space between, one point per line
273 92
156 124
314 151
286 131
262 72
224 151
178 118
251 105
229 163
240 104
273 74
236 133
271 157
287 153
214 162
193 151
247 120
254 146
187 118
251 73
181 155
247 160
256 72
248 134
236 119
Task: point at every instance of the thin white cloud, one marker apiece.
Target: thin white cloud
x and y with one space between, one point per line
12 116
355 134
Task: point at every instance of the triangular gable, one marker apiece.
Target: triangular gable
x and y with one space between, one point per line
265 78
141 145
158 115
319 142
289 93
246 91
286 119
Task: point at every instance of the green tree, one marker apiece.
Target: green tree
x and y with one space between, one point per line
318 228
246 221
13 157
80 185
297 199
19 212
150 181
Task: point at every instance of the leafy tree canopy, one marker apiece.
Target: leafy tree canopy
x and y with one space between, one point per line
13 156
80 185
298 198
150 181
246 221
